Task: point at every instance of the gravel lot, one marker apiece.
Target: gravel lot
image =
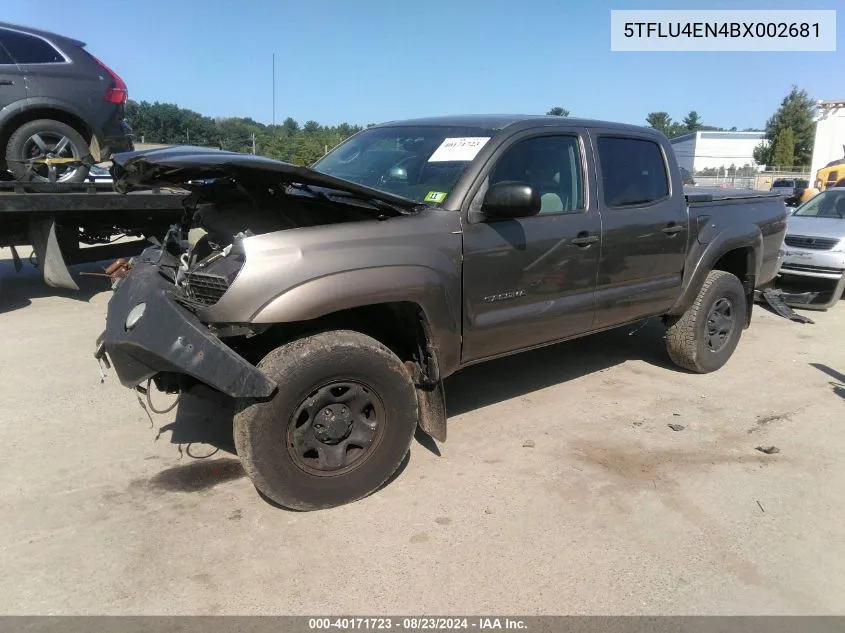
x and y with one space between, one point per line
561 488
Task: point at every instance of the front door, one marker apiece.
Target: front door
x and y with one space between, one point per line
12 81
530 281
645 230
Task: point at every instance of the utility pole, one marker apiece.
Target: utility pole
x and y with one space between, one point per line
274 94
253 142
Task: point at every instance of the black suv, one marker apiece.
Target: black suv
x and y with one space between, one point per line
61 108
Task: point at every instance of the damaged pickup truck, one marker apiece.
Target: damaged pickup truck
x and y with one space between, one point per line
331 301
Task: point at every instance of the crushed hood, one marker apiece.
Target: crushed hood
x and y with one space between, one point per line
178 166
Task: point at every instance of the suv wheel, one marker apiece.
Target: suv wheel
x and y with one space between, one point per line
44 139
704 337
338 427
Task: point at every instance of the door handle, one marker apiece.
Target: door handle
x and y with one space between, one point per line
673 229
584 239
6 82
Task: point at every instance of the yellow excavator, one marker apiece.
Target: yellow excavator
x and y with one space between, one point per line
831 175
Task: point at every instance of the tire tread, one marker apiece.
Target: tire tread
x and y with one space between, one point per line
681 340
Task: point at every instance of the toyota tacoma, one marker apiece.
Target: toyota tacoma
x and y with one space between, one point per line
331 301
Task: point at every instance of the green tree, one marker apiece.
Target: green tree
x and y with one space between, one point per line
290 126
660 121
558 111
692 122
796 112
783 154
172 125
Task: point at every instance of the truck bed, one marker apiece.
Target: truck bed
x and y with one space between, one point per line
701 195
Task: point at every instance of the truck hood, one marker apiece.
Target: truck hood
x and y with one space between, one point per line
178 166
833 228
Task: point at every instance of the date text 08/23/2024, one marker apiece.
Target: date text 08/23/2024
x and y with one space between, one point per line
415 623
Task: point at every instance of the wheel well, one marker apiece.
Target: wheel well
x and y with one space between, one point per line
739 262
735 262
400 326
40 113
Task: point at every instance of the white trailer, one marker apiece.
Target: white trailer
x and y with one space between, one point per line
830 135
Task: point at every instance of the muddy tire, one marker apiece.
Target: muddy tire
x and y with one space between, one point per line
704 337
46 138
338 427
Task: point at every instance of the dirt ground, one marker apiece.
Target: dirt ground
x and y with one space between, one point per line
561 489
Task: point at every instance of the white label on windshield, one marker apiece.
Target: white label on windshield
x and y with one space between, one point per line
464 148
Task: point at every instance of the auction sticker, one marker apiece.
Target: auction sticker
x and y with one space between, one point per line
463 148
435 196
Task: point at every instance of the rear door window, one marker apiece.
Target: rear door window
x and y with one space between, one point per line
633 171
28 49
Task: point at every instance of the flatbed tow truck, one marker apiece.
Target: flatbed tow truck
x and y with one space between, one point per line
56 218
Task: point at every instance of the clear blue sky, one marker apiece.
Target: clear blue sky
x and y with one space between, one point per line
376 60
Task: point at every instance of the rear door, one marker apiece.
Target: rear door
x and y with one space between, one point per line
644 228
12 81
529 281
59 71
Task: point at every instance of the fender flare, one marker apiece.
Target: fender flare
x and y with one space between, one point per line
369 286
705 254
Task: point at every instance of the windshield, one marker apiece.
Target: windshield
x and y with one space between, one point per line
421 163
828 204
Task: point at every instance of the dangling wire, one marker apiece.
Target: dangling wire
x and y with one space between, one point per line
150 401
188 451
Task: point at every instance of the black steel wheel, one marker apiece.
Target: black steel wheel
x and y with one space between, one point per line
720 324
337 428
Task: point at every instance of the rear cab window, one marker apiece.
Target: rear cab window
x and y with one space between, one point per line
633 171
29 49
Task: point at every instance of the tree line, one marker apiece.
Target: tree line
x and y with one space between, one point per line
291 142
789 132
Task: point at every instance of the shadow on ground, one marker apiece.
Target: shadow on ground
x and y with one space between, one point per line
838 383
518 375
205 416
18 289
197 476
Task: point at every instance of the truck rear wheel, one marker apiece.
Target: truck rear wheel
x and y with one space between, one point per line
704 337
337 428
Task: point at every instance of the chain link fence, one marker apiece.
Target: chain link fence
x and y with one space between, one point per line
745 178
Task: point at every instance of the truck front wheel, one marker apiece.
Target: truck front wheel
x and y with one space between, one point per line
337 428
704 337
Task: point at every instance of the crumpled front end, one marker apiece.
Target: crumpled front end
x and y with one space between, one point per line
149 332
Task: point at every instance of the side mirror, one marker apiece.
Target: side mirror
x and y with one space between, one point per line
511 199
